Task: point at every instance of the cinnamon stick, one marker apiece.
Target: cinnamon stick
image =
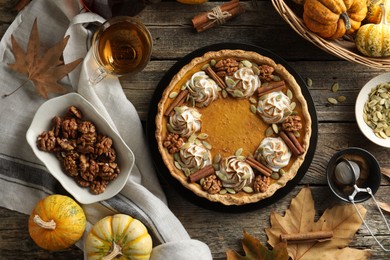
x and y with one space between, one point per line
204 172
178 101
271 87
259 166
217 15
215 77
289 143
296 142
303 237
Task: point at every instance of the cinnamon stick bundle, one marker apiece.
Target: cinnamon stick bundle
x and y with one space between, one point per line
217 15
178 101
291 142
202 173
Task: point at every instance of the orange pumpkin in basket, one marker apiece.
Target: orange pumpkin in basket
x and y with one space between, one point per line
332 19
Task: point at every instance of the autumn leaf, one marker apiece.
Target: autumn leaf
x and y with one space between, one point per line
343 221
384 206
385 171
43 70
254 250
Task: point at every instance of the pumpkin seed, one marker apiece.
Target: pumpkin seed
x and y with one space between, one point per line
192 138
221 176
203 136
341 99
256 70
269 131
309 82
177 165
222 192
213 62
204 67
275 128
335 87
224 93
238 93
216 166
297 134
332 100
238 152
275 176
217 158
282 172
293 105
252 100
187 172
247 63
253 109
207 145
241 158
247 189
170 128
230 190
173 94
289 94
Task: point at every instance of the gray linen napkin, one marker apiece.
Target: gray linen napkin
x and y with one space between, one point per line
23 178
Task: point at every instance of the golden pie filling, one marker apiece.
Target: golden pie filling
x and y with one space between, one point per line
233 127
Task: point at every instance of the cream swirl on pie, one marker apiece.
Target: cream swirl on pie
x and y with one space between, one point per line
274 107
203 89
243 83
194 157
185 121
274 151
234 173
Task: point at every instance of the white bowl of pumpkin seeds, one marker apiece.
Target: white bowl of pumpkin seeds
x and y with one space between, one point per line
372 110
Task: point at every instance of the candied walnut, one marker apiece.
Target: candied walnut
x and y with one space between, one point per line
98 186
292 123
46 141
91 171
69 128
86 127
56 125
108 171
266 72
173 142
212 184
84 164
74 111
82 182
226 67
261 183
103 145
70 164
65 144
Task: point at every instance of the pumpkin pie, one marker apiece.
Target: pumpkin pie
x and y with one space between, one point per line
233 127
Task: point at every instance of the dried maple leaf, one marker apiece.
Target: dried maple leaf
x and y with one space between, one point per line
299 218
385 171
21 4
384 206
43 70
254 250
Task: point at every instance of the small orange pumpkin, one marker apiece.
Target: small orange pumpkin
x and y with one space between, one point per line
56 222
334 18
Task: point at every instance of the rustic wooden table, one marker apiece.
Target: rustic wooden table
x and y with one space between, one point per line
174 37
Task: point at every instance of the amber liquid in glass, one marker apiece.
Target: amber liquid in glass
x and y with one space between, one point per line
123 48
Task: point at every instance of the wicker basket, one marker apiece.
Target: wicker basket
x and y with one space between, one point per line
342 48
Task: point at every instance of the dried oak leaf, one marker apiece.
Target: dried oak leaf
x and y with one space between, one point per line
43 70
384 206
299 218
254 250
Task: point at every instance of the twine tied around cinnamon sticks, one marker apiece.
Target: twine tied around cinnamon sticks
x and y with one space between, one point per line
218 15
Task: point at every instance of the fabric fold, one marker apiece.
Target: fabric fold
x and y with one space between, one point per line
23 175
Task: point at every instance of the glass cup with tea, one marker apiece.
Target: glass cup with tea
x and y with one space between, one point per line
121 46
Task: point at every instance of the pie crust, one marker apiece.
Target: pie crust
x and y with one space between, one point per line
231 126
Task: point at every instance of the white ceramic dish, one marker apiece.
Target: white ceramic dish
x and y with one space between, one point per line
361 100
42 122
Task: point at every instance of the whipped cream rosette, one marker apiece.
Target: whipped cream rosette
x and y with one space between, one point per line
275 153
274 107
185 121
194 156
234 173
243 83
203 89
